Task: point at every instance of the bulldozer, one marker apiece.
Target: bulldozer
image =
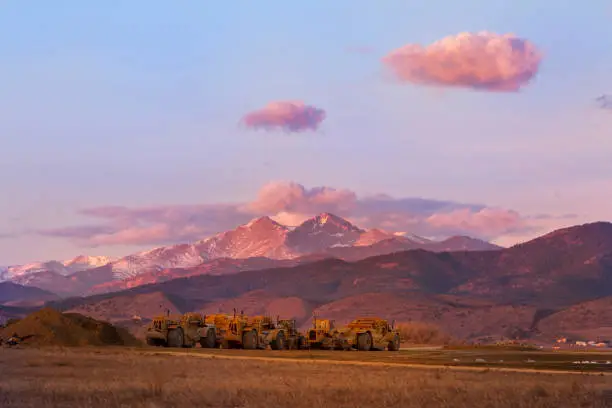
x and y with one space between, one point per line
234 331
324 335
181 331
371 333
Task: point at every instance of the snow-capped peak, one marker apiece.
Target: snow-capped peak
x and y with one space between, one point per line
329 222
323 218
413 237
89 261
261 221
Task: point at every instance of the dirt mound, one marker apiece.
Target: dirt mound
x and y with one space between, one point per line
48 327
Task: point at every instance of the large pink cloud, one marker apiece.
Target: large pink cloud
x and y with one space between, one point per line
290 116
291 203
484 60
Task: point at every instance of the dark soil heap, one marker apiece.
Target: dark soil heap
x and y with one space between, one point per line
48 327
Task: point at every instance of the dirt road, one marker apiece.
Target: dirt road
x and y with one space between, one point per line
374 363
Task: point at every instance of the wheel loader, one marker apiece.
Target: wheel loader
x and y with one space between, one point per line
371 333
181 331
234 331
324 335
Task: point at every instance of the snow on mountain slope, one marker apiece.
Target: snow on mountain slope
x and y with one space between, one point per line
83 262
63 268
262 237
175 256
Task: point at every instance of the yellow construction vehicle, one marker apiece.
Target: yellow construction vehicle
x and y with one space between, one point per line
269 335
324 335
371 333
181 331
234 331
294 339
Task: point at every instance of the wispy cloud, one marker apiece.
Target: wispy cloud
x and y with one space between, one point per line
289 116
605 102
291 203
483 61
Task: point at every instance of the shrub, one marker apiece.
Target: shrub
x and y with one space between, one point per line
422 333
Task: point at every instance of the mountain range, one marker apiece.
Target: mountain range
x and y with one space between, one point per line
556 284
262 243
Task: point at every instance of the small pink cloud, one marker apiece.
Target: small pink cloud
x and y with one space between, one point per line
484 61
286 115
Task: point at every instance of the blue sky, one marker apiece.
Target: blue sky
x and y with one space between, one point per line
137 103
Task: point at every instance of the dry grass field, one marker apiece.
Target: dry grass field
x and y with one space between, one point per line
119 377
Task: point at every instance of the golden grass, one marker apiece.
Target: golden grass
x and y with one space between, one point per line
114 377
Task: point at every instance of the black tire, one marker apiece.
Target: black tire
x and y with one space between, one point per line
210 341
364 342
303 343
279 342
175 338
249 340
394 345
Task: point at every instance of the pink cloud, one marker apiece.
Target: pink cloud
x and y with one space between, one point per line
290 219
292 197
290 203
290 116
484 61
487 222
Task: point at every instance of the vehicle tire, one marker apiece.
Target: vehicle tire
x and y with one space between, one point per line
175 338
364 342
249 340
210 341
303 343
394 345
279 342
153 342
